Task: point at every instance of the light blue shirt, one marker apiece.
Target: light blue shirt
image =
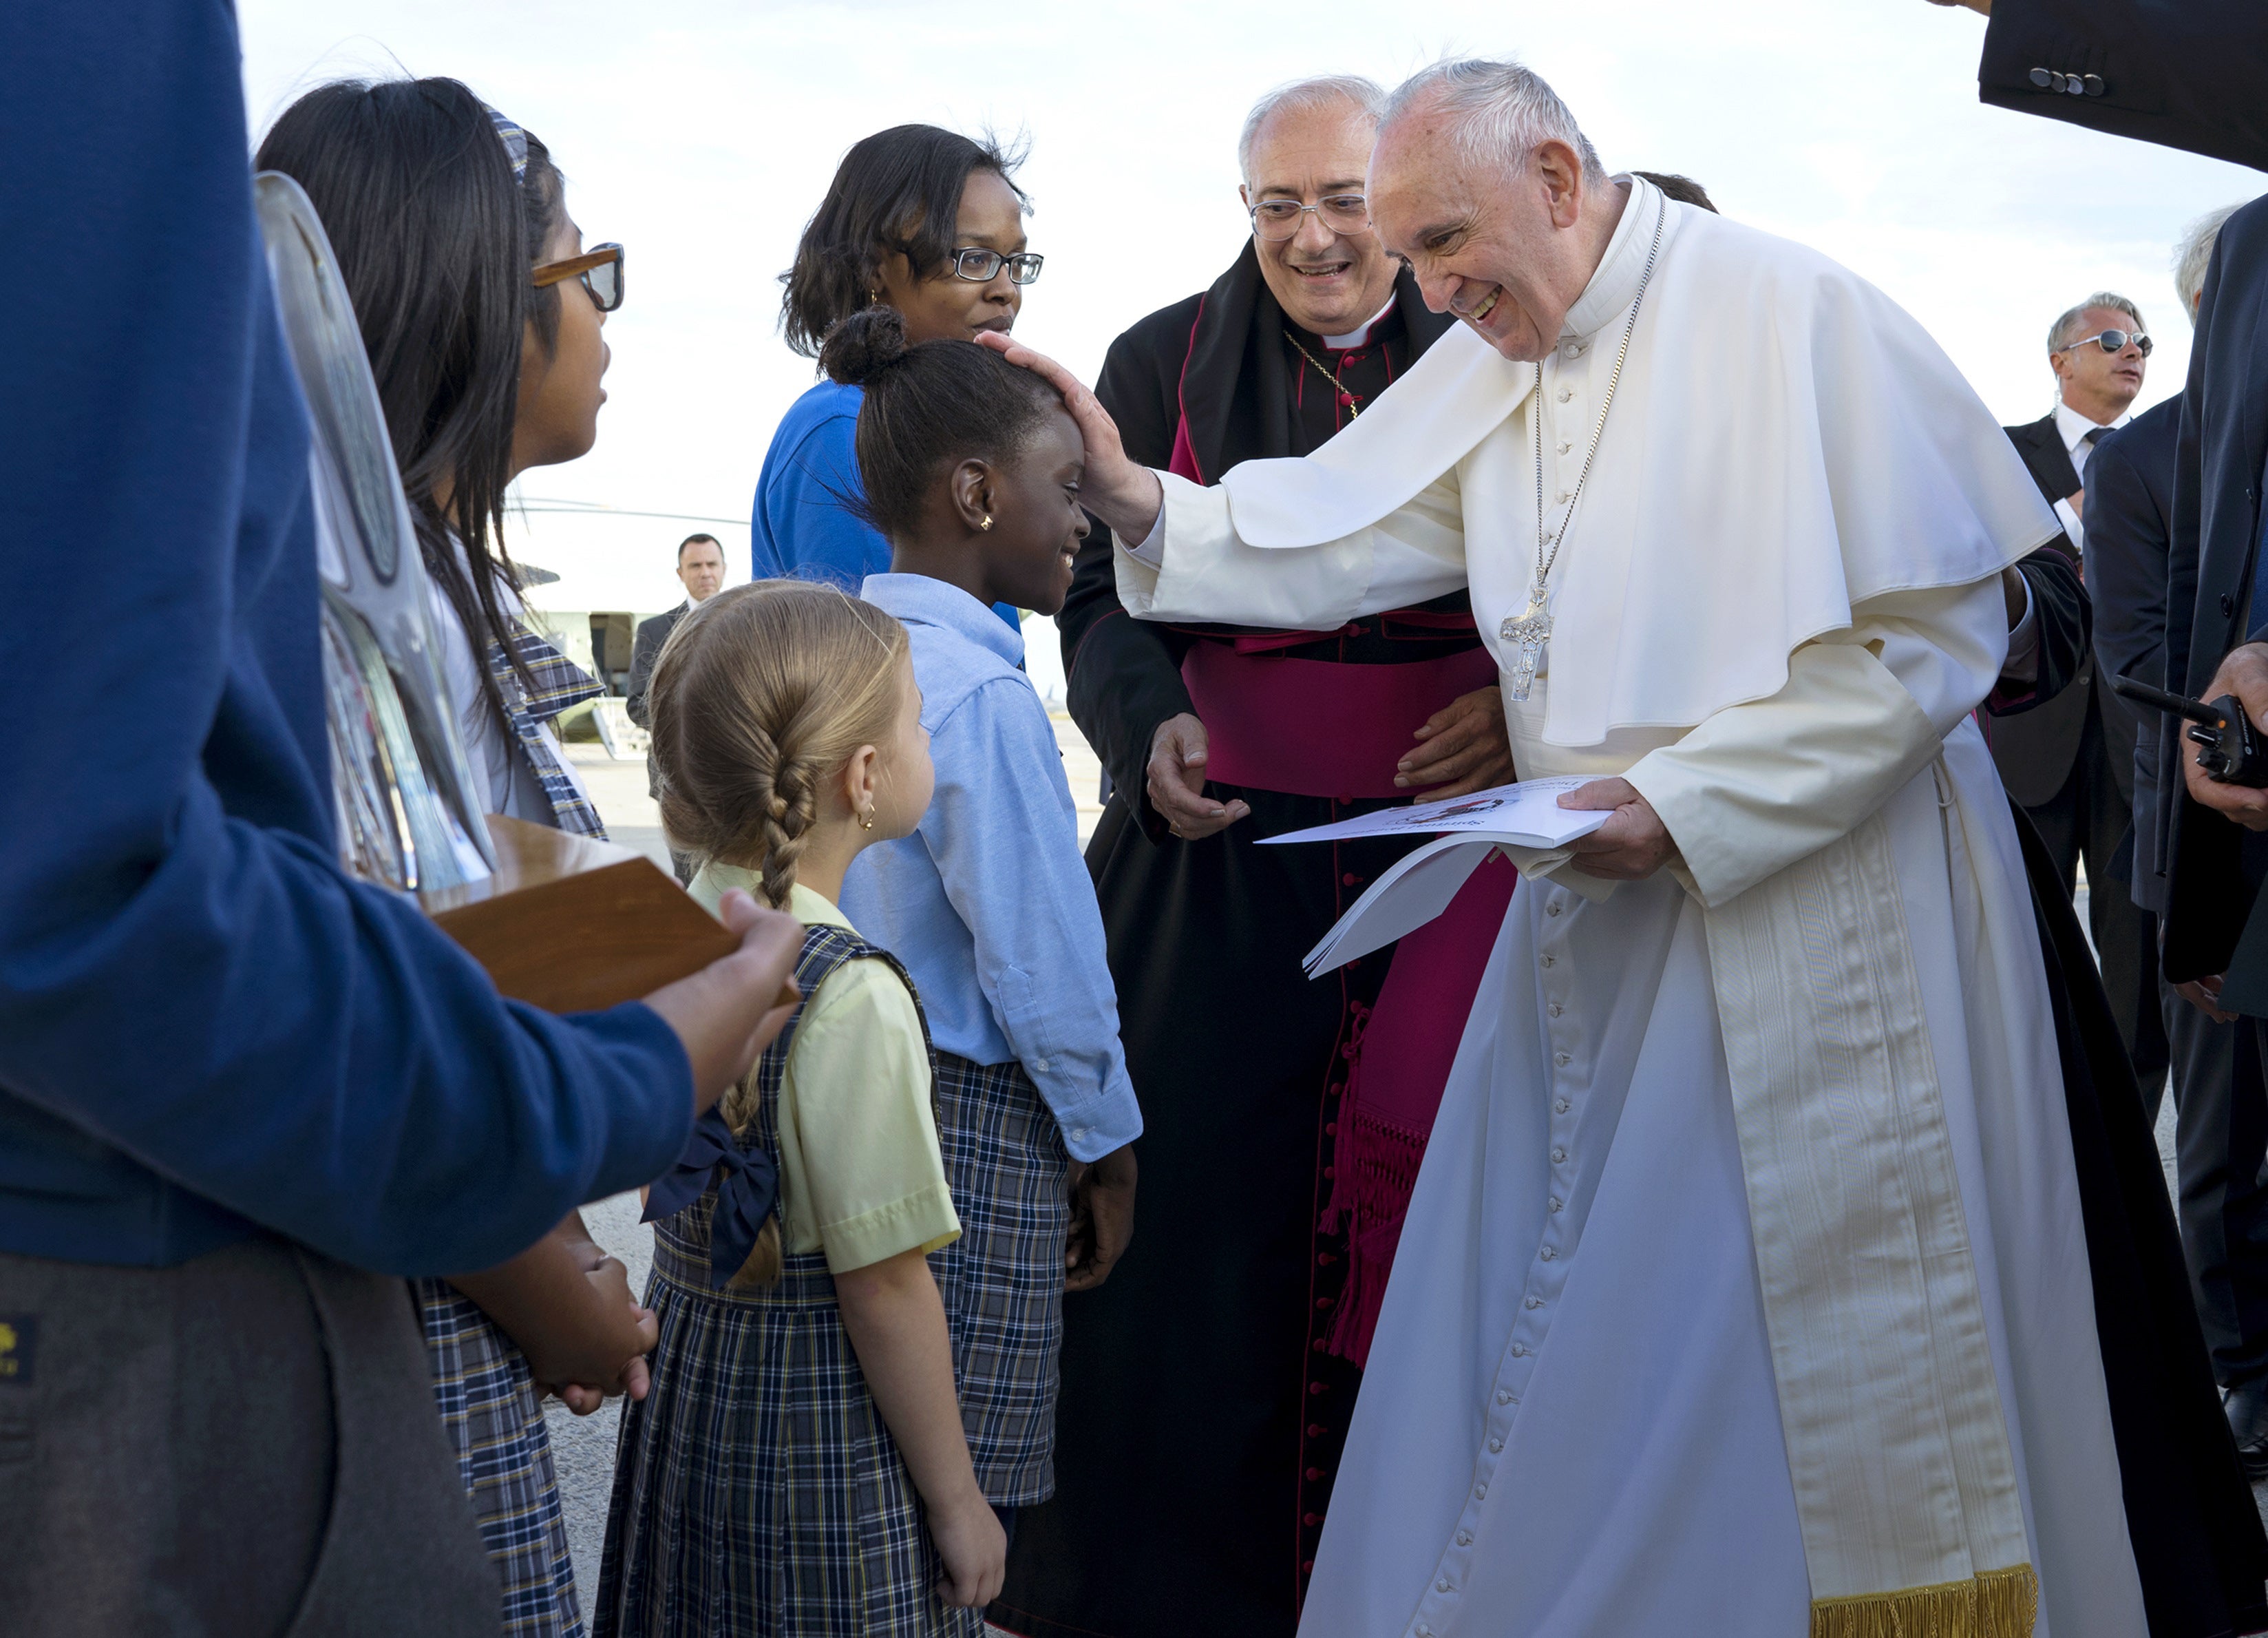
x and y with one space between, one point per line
988 902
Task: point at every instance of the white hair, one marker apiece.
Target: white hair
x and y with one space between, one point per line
2060 331
1499 112
1298 96
2194 253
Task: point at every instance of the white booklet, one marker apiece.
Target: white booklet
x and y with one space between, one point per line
1419 886
1527 815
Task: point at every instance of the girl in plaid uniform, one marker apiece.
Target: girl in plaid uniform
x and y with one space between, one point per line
455 241
798 1468
971 469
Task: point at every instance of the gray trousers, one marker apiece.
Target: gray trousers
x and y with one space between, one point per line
242 1446
2220 1142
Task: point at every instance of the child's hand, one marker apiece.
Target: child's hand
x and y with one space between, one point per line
974 1547
1102 1218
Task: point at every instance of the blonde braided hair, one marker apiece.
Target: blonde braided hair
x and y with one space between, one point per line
760 697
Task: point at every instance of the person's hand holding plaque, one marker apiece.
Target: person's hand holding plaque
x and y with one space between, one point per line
733 1009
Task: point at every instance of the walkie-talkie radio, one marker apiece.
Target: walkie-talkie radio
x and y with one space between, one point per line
2228 751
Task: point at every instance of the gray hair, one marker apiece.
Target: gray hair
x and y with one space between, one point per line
2060 332
1298 96
2194 253
1499 112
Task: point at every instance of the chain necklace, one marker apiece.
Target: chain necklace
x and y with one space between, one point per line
1533 629
1345 397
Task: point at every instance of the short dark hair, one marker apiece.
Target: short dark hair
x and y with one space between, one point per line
897 192
926 408
695 540
435 239
1683 189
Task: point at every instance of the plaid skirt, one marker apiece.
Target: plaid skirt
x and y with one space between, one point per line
495 1423
1003 1279
757 1492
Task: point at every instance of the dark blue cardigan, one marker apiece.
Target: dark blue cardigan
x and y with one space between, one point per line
206 1028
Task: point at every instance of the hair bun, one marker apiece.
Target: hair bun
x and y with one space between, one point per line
859 349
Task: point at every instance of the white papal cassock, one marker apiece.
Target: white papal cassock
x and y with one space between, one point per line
1745 1286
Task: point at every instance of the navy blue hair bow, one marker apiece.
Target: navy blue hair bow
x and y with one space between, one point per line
748 1190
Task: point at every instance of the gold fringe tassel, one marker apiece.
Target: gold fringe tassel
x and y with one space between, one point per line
1994 1604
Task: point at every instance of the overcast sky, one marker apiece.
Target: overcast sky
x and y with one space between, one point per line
701 134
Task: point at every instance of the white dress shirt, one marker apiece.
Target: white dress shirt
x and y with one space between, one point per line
2074 427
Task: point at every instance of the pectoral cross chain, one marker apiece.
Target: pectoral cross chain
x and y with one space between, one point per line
1531 631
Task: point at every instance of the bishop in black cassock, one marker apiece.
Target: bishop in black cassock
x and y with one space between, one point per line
1206 1388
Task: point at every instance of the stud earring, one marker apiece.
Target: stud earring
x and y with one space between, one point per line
984 522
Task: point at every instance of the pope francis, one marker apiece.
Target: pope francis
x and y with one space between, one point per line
1744 1290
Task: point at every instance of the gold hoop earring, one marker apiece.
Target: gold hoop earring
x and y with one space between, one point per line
867 820
984 522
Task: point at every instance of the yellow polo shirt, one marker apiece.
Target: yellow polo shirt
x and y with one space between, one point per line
860 1174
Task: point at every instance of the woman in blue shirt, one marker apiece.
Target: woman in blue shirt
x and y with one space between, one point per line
881 237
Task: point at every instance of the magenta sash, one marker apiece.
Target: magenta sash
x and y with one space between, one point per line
1316 728
1312 727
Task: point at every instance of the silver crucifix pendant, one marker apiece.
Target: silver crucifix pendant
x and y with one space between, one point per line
1531 631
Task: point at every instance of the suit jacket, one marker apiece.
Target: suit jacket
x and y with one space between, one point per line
2216 525
2035 750
646 648
2182 73
2130 511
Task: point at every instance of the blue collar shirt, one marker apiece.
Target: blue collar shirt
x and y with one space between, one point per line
988 902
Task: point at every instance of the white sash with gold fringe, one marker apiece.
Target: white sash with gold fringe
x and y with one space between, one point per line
1906 1484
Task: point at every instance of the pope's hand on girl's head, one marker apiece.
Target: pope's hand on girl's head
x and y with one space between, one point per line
1463 747
729 1010
1125 496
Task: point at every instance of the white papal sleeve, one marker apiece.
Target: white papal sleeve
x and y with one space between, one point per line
1195 567
1759 785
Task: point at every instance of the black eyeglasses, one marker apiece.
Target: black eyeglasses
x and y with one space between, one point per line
599 269
1276 220
2110 341
982 267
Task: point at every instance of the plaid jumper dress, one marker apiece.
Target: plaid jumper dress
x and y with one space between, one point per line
758 1491
1003 1279
488 1404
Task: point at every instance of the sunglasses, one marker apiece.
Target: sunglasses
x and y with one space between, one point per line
982 267
599 269
2110 341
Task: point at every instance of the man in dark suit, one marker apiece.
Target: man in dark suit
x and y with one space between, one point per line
2221 1124
701 569
2069 764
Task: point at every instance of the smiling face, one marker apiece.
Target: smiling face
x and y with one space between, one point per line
945 305
1510 252
1037 522
2100 385
557 418
1327 283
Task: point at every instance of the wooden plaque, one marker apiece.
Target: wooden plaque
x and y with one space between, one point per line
572 925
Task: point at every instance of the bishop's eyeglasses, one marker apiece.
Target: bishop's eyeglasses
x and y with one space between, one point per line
599 269
982 267
1276 220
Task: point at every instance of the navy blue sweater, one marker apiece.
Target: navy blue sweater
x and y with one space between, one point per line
206 1030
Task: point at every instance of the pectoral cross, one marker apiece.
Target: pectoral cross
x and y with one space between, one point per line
1532 630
